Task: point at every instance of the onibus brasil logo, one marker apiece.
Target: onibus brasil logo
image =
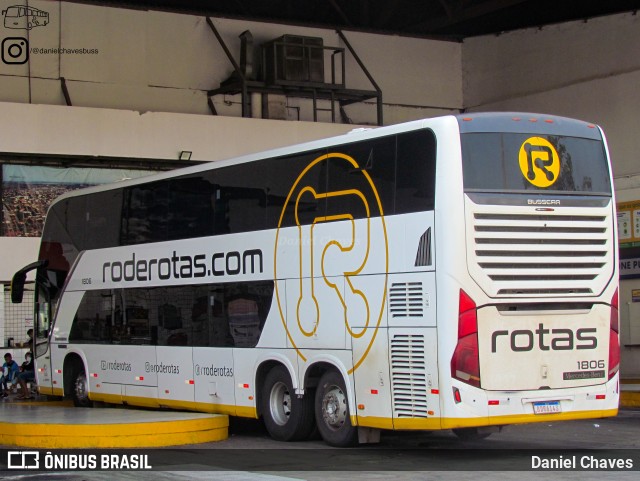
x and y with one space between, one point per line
334 260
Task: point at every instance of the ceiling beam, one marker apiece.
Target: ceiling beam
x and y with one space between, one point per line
386 11
463 14
341 13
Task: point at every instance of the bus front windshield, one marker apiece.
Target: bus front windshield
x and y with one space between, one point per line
534 163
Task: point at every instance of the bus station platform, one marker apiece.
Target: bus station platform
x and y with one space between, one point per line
50 424
46 424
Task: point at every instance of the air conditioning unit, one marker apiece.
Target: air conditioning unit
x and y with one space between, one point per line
293 58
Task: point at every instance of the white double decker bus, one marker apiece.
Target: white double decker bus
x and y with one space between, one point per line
450 273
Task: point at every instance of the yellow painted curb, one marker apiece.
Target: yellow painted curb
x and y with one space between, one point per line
629 399
123 435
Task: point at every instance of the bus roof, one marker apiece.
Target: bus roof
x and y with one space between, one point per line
469 122
356 135
518 122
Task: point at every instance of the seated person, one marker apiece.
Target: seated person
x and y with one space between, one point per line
28 343
27 374
10 372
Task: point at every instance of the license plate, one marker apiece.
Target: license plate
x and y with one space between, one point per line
547 407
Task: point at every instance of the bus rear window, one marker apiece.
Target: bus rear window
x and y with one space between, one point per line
508 162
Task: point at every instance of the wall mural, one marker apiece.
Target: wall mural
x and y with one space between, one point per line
28 191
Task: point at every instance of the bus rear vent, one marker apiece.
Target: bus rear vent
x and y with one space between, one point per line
406 299
408 376
423 256
524 254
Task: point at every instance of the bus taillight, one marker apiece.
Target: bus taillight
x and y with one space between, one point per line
614 337
465 363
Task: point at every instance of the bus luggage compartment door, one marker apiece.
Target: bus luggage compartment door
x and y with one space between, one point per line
174 368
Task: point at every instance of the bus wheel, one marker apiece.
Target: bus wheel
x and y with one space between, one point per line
286 416
80 389
332 411
471 434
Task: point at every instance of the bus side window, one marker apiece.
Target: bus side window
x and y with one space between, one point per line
244 321
209 320
191 207
416 172
279 180
145 213
170 308
92 322
241 200
377 159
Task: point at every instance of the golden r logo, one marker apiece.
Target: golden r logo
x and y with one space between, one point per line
539 162
328 259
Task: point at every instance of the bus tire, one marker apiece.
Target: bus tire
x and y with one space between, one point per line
332 411
470 434
286 416
80 388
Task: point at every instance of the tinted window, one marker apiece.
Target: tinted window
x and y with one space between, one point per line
99 315
191 210
217 315
416 172
57 245
502 162
239 197
251 196
281 176
146 213
375 161
103 219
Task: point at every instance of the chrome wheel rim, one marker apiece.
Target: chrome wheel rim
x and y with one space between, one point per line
280 403
334 408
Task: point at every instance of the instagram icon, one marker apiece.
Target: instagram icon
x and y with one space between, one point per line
15 50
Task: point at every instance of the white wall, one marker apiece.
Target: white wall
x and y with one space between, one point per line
148 60
17 252
52 129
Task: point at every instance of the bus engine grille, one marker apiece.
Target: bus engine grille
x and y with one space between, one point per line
408 376
521 254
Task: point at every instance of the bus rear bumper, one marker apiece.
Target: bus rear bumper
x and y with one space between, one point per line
490 408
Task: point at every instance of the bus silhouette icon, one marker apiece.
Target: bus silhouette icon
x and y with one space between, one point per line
24 17
23 459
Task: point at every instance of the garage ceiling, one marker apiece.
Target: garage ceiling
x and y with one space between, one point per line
444 19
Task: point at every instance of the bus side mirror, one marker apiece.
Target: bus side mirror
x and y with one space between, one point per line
17 287
4 12
19 278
